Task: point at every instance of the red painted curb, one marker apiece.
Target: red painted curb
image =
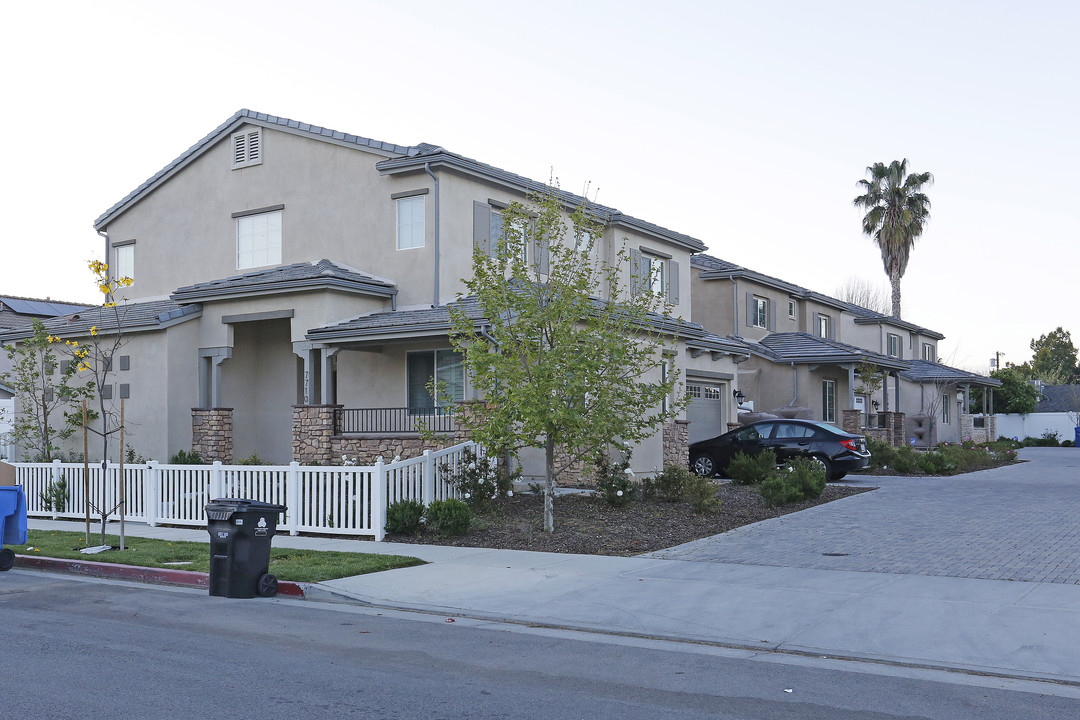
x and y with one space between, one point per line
160 576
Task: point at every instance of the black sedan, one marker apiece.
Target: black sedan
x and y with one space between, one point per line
839 452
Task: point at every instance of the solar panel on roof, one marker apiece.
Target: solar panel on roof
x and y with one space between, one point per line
38 307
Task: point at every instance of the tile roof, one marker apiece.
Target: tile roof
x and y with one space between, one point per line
285 278
130 316
804 348
925 371
1059 398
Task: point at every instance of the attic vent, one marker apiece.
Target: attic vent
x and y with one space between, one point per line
247 148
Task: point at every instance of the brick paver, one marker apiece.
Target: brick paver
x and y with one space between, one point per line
1013 523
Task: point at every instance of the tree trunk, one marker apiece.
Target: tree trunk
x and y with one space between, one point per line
549 485
894 280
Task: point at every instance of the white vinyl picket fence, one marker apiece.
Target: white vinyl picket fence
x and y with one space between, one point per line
349 500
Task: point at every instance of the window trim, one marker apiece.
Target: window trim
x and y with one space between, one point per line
945 399
929 352
792 309
828 401
824 323
409 200
889 337
761 312
125 246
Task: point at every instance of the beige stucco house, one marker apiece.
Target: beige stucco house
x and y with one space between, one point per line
291 286
805 348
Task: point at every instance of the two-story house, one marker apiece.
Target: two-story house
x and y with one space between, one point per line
805 348
291 286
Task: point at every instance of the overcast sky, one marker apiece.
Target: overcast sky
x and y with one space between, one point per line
746 125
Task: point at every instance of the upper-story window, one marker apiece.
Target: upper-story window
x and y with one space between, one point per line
760 312
124 261
410 222
489 231
653 272
791 309
894 346
247 148
944 409
928 353
824 326
258 239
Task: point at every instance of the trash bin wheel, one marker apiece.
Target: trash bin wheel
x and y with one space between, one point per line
267 586
7 561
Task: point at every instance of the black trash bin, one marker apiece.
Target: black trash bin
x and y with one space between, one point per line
240 535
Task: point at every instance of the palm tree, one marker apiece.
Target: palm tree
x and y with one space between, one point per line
896 211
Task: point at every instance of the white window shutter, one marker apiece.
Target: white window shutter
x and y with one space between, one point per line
254 146
239 148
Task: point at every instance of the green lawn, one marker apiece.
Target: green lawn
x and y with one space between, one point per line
285 563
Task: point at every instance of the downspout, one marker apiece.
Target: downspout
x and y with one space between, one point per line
735 307
795 384
105 236
435 178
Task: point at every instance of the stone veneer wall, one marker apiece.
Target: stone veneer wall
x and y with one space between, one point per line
885 426
677 443
987 433
212 434
367 448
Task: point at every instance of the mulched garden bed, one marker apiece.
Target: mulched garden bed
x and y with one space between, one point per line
587 525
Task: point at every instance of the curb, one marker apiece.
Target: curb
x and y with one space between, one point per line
136 573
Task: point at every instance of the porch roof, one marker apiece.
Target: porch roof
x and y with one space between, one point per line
923 371
804 349
128 316
321 275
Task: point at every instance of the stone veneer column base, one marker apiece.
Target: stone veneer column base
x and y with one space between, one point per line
313 428
212 434
677 443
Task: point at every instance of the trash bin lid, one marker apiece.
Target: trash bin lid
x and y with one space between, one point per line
223 508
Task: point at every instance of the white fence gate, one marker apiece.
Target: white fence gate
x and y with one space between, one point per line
331 500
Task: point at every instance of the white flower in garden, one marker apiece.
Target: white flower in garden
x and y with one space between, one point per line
509 493
472 466
397 458
467 496
619 493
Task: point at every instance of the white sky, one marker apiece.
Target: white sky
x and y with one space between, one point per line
744 124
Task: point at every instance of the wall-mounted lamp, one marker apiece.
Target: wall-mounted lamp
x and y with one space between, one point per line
876 404
738 395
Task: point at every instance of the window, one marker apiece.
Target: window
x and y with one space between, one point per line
760 312
258 240
124 263
665 373
791 309
488 233
828 401
653 272
824 326
894 347
928 352
445 369
247 148
944 409
792 431
410 222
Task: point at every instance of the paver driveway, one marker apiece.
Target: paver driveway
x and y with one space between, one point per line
1013 523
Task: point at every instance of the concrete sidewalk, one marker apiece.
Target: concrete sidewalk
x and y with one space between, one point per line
995 627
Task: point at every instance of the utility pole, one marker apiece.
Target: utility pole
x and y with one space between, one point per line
996 362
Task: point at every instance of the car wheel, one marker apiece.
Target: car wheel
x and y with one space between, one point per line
703 465
825 465
837 476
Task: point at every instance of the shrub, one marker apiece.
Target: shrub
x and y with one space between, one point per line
613 481
751 469
935 463
447 518
803 479
882 454
253 459
481 480
670 485
184 457
1066 443
905 460
55 495
403 517
699 491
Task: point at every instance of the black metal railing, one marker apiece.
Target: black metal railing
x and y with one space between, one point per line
393 420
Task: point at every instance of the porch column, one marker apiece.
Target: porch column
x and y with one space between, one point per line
329 380
885 392
851 387
210 360
307 352
896 391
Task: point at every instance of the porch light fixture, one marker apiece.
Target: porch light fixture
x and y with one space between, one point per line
876 404
738 395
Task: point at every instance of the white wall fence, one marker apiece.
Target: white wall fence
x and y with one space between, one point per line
349 500
1035 424
7 416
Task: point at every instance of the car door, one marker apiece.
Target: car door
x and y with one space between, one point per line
750 440
791 440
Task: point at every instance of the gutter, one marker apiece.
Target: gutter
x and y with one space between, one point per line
435 178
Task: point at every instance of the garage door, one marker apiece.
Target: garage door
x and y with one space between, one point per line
706 410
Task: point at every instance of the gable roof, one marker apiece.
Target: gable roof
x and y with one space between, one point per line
805 349
1059 398
716 269
129 316
923 371
225 130
321 275
434 156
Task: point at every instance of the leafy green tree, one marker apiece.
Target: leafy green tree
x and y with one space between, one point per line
1053 359
1016 394
897 210
45 393
567 359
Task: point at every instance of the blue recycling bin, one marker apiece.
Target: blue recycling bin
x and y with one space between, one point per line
1076 436
12 522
